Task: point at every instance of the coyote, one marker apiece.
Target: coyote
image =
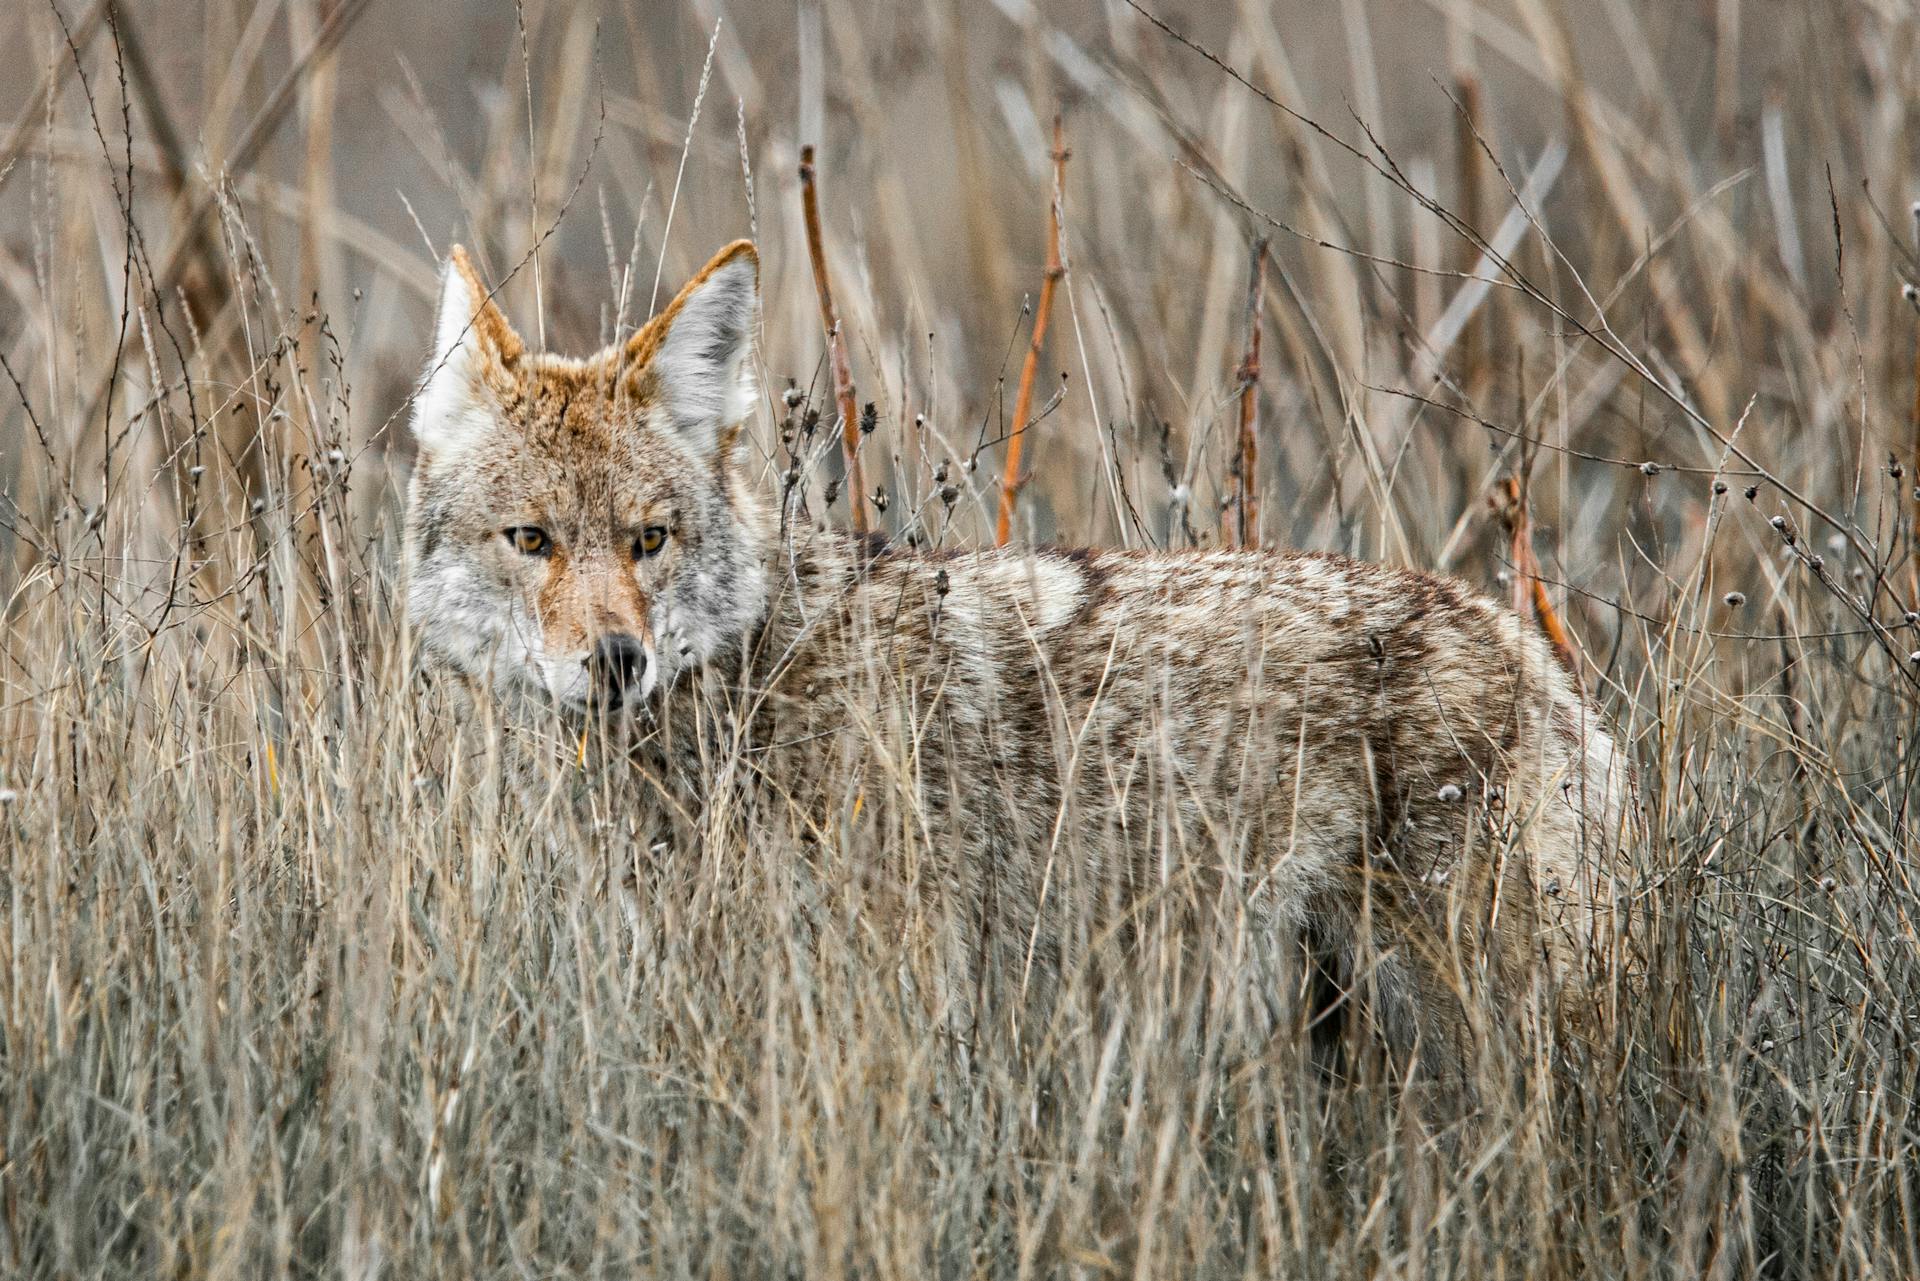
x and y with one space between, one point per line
1367 761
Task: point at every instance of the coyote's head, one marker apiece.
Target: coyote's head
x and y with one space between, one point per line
580 528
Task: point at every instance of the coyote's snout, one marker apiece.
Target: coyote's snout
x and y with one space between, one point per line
618 668
1383 763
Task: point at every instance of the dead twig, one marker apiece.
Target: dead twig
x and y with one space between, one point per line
1011 482
836 344
1509 502
1246 514
1913 454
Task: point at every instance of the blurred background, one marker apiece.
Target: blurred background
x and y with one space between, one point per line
1700 211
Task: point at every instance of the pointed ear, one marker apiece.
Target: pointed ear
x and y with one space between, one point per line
694 361
473 345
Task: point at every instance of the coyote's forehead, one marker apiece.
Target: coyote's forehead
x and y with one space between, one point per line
597 438
572 443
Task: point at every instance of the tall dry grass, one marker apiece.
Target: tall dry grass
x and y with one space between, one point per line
290 984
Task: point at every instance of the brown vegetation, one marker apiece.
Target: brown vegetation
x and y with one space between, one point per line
289 986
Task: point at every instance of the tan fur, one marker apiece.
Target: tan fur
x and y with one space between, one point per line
1382 762
488 320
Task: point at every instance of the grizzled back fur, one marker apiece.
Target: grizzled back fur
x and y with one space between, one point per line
1380 762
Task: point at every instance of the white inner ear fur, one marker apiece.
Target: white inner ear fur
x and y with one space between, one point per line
705 367
449 410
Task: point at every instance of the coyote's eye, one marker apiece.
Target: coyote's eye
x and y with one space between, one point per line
651 540
529 539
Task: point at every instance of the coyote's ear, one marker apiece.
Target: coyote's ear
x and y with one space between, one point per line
472 345
694 361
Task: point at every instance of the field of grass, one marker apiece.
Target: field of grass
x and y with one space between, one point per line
1599 306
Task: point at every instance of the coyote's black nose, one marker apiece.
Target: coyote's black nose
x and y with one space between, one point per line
618 664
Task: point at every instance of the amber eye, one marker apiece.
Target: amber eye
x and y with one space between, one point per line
651 540
529 539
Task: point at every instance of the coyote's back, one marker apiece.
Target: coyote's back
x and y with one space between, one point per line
1380 762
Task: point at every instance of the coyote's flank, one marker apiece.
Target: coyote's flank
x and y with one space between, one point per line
1367 760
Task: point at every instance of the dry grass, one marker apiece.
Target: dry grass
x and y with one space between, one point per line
288 986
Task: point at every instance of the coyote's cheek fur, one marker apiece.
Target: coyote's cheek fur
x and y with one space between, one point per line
1381 762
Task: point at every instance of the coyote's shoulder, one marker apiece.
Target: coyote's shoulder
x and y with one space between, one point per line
1341 747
